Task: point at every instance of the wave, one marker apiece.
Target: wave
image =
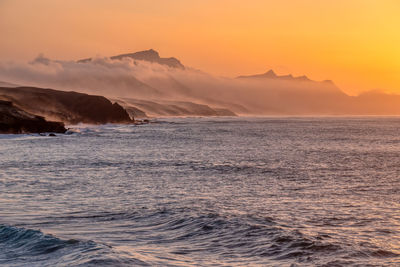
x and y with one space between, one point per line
180 236
187 232
29 247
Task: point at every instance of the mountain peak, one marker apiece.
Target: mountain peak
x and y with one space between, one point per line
303 78
270 74
150 55
289 77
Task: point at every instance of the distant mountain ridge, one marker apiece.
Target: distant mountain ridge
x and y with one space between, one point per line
146 90
148 55
272 75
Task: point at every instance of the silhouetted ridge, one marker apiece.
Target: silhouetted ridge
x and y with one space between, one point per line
147 55
272 75
69 107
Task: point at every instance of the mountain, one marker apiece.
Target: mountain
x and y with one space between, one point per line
144 89
272 75
147 55
68 107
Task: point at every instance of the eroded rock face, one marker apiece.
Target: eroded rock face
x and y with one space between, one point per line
68 107
14 121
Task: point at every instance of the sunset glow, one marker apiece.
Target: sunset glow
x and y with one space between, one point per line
199 133
354 43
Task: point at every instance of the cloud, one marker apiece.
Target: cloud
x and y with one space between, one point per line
138 79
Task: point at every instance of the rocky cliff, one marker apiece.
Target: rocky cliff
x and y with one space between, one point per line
68 107
14 120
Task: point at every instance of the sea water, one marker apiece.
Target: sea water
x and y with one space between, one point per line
204 192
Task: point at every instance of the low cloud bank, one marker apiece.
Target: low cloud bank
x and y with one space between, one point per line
132 80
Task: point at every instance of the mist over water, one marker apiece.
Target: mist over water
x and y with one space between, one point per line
211 192
156 90
143 80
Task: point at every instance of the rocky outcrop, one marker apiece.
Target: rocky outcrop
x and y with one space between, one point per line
68 107
14 121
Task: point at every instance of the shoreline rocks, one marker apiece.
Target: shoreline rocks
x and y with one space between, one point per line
14 120
68 107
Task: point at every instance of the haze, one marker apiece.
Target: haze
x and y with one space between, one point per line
355 43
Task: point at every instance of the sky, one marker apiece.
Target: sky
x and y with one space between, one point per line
355 43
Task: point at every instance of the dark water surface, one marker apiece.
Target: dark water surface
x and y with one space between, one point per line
199 192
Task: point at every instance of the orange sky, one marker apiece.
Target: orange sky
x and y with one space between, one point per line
356 43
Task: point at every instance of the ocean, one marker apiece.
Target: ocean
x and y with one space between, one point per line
272 191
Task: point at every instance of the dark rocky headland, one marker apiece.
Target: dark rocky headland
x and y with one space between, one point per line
16 121
27 109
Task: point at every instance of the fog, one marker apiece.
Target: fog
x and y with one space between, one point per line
143 85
